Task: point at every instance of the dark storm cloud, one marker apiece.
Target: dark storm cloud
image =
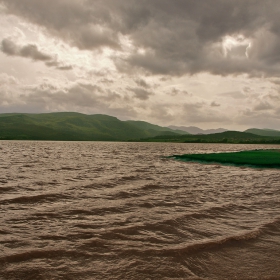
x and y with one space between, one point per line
142 83
215 104
140 93
65 68
81 23
8 47
31 51
178 37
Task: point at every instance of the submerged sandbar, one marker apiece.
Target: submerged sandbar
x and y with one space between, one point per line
253 158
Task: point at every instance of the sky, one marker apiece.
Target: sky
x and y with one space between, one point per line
206 63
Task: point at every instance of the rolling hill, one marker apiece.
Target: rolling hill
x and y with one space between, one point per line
264 132
197 130
223 137
74 126
68 126
152 127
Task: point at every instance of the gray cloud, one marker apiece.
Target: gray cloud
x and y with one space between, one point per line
161 113
31 51
176 91
259 119
184 37
275 81
106 81
179 37
58 65
199 113
234 94
142 83
81 23
263 105
65 68
8 47
140 93
215 104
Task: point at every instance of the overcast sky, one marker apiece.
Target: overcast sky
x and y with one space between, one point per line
207 63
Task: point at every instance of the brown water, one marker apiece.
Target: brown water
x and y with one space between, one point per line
96 210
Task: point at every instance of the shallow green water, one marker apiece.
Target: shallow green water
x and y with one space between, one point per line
254 158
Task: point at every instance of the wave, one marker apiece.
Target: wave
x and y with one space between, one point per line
195 248
69 168
128 178
271 226
151 187
6 189
98 211
73 213
175 225
94 243
210 244
40 254
99 186
41 183
125 194
28 165
35 198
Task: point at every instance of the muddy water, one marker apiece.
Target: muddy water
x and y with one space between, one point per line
97 210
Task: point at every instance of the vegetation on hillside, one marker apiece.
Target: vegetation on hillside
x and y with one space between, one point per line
67 126
152 127
73 126
234 137
264 132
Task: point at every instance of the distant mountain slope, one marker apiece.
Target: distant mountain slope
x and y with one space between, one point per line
153 127
229 135
224 137
197 130
264 132
71 126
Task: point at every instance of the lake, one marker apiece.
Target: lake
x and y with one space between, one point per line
108 210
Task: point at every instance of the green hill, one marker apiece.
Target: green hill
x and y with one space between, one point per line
224 137
264 132
72 126
67 126
152 128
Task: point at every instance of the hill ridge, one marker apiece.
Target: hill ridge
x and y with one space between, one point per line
197 130
73 126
